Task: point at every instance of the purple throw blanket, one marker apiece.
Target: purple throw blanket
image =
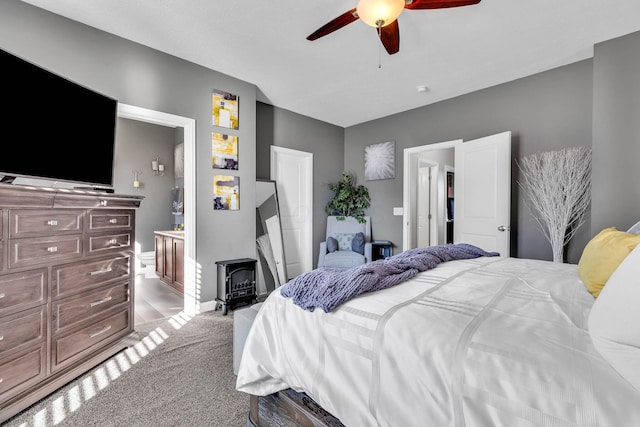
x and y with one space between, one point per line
328 288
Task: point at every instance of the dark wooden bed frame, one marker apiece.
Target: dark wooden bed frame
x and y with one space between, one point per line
288 408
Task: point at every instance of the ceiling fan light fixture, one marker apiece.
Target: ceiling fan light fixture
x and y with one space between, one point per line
379 13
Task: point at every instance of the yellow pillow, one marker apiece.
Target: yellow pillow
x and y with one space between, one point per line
602 255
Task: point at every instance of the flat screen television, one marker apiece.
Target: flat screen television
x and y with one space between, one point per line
54 129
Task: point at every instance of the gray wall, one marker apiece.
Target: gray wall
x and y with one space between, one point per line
137 143
276 126
616 134
140 76
546 111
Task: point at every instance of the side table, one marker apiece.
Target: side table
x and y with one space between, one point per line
380 249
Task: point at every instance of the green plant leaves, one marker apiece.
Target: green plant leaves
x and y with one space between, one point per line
348 199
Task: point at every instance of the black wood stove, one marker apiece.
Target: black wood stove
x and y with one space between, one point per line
236 282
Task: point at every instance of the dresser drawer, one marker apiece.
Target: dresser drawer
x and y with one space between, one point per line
69 311
113 242
71 278
20 371
102 220
93 199
19 291
89 339
33 222
39 250
23 329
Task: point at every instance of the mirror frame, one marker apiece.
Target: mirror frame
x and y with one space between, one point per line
281 267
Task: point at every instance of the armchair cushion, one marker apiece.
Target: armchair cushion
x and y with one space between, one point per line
344 241
332 244
343 259
357 244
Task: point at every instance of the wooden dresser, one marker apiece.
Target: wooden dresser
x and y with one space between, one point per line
66 287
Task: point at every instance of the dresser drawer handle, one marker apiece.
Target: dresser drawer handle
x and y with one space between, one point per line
113 221
113 242
52 222
102 301
103 203
52 249
102 331
101 271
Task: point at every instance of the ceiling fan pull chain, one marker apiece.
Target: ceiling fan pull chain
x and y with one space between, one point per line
379 49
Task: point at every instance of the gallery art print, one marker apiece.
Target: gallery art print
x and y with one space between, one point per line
224 151
226 192
225 109
380 161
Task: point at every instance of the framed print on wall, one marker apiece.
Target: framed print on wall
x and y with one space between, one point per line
224 151
380 161
226 192
224 107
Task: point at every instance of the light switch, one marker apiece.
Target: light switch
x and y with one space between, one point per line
398 211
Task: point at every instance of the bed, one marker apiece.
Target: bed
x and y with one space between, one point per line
484 341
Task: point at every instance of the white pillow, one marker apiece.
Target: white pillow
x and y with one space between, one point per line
635 228
614 320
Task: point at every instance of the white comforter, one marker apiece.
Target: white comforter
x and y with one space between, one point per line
482 342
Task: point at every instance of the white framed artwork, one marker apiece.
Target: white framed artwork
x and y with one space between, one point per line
380 161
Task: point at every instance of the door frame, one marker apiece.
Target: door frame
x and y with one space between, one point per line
191 278
410 157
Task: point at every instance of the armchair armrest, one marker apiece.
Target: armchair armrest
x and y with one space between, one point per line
321 254
368 251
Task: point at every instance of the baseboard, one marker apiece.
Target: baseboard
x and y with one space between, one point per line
208 306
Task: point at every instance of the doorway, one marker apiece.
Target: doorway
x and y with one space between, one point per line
423 195
481 186
191 286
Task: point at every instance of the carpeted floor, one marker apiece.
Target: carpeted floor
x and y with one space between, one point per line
179 374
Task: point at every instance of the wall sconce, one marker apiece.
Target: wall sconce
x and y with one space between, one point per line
136 179
157 167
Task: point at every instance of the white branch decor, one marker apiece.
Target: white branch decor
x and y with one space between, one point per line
264 246
557 186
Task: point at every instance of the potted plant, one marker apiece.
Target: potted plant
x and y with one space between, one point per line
348 199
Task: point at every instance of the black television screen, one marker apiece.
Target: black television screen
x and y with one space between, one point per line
53 128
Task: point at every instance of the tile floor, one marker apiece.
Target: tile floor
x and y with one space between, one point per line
154 300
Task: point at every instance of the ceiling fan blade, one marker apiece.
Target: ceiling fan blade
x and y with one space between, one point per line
438 4
331 26
390 37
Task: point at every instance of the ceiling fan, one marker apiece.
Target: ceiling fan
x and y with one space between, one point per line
383 14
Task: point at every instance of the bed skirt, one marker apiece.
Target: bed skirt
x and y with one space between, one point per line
288 408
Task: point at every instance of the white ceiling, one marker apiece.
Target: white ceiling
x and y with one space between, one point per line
347 78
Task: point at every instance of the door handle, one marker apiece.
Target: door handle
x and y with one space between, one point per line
503 228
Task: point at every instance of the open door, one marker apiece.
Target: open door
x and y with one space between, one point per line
483 193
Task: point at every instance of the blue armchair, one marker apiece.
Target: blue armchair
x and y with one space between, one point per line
337 251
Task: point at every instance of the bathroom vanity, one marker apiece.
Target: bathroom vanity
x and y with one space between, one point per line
170 258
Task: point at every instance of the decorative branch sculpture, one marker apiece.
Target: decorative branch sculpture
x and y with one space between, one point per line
557 186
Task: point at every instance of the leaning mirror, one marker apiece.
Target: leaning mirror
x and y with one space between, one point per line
271 267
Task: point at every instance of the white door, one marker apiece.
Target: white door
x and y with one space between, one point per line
427 212
293 172
424 205
483 193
